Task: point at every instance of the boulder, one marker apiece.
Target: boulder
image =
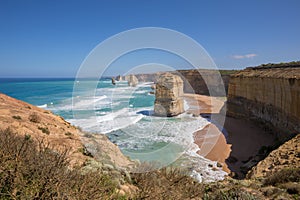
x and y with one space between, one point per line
169 95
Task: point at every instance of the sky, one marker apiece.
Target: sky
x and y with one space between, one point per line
53 38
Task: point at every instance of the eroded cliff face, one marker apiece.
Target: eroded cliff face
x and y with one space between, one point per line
268 95
205 82
202 81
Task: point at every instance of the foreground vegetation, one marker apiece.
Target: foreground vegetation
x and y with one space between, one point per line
34 170
31 169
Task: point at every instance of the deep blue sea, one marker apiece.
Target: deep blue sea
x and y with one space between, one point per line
124 114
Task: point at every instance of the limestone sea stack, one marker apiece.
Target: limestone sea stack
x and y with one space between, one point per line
132 80
119 78
169 95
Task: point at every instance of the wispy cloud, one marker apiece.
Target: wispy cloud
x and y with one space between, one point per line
251 55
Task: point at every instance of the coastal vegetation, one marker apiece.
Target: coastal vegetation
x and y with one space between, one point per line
36 170
277 65
33 169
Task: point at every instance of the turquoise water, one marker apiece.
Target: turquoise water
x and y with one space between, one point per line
124 114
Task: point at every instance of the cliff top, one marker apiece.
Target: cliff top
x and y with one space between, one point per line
277 65
288 72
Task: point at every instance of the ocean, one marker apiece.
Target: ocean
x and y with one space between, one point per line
124 114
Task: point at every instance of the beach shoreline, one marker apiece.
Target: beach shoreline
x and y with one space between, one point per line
231 144
210 139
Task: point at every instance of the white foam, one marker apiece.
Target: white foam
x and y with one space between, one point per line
43 106
112 115
185 105
106 126
180 131
84 103
141 92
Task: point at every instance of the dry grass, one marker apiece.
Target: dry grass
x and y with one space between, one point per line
167 183
33 170
173 183
283 176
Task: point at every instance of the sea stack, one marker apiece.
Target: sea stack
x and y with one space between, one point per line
168 95
113 81
119 78
132 80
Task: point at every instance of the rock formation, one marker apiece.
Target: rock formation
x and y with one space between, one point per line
119 78
132 80
168 96
286 156
268 95
113 81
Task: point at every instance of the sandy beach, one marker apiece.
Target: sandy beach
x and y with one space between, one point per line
230 145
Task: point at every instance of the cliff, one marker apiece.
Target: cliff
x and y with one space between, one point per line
169 95
194 80
44 157
268 95
26 119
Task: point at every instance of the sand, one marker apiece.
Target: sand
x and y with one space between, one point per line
230 145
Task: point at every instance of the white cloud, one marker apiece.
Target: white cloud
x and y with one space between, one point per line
251 55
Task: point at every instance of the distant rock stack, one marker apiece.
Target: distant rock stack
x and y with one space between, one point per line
168 96
132 80
119 78
113 81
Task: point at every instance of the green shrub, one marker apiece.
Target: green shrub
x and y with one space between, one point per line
68 133
17 117
232 194
44 130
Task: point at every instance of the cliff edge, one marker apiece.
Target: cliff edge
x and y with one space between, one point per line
270 96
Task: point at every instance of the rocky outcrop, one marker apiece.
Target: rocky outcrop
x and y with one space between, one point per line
132 80
169 96
270 96
286 156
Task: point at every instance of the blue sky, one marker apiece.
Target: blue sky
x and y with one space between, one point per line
52 38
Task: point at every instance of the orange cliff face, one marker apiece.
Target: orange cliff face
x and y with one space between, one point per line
268 95
23 118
